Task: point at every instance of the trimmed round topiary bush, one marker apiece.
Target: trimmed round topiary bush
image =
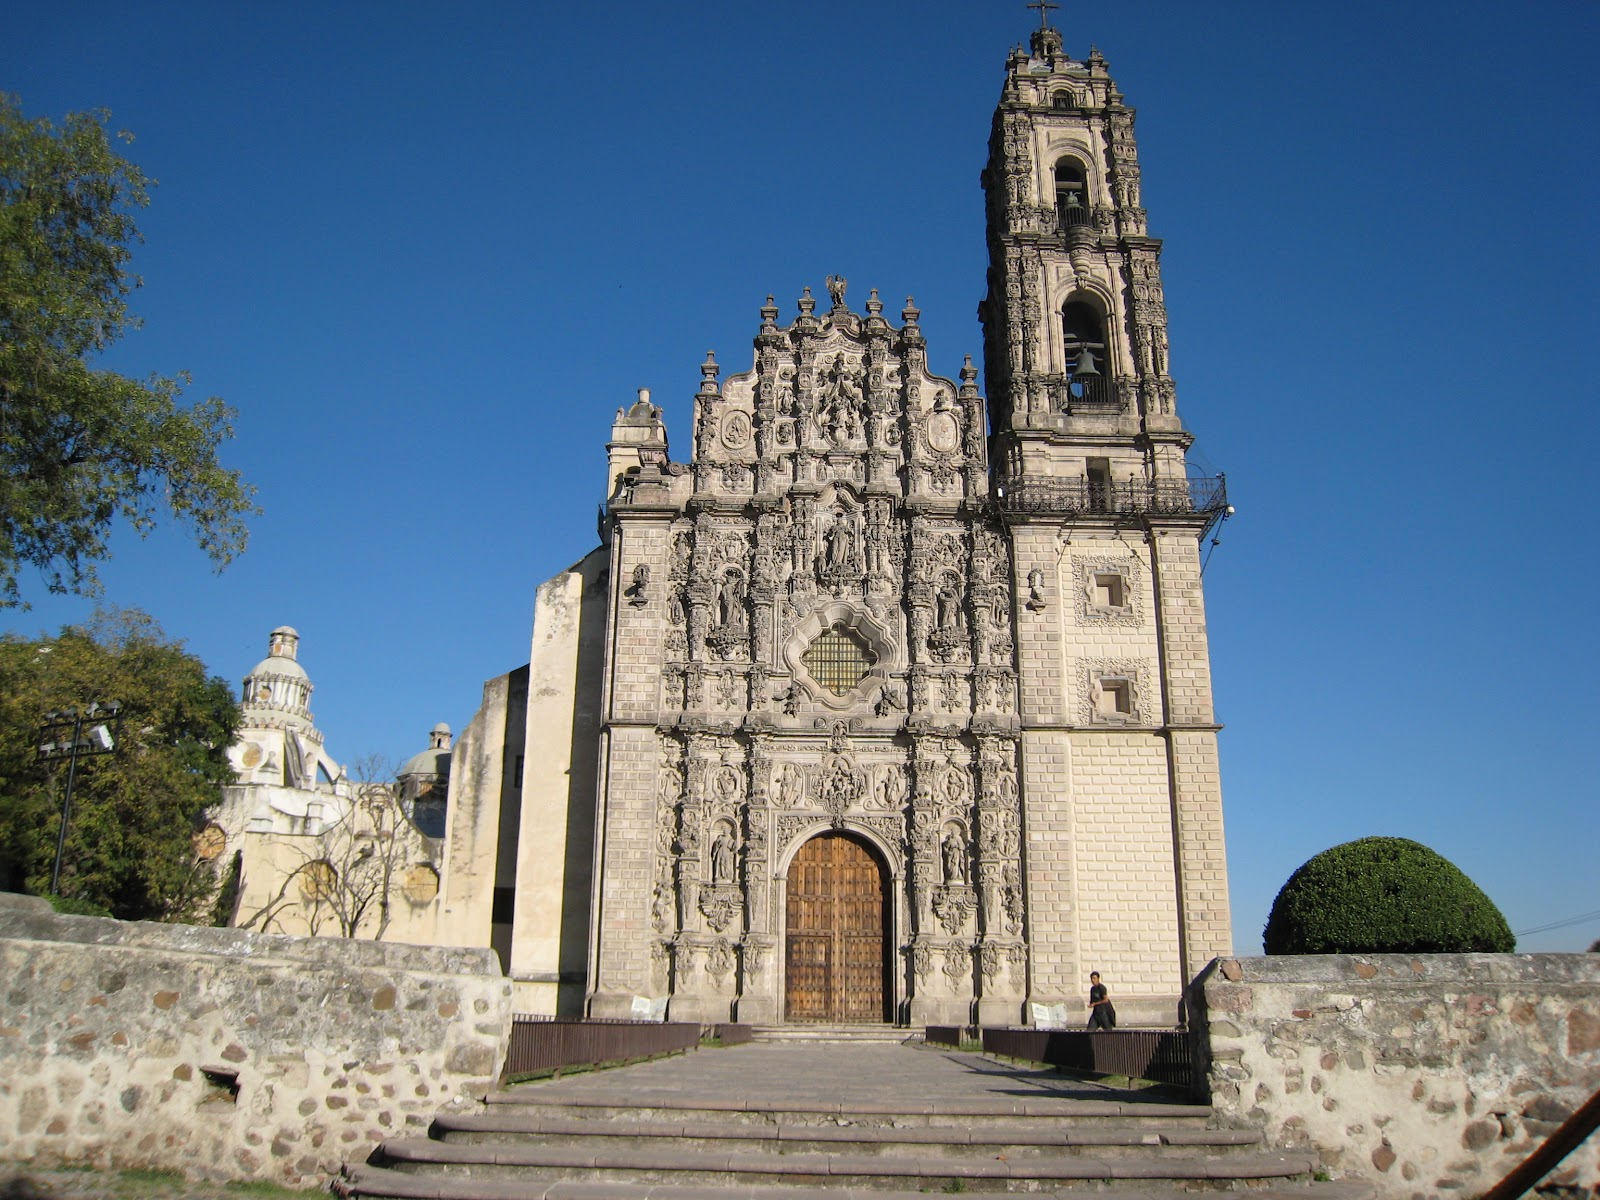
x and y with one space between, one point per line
1384 895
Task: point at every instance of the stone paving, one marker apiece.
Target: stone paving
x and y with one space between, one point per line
778 1076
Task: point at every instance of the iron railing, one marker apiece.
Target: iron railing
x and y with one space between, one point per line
1086 393
1073 497
540 1043
1070 215
1162 1055
546 1043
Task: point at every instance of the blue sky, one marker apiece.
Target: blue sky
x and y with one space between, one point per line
428 250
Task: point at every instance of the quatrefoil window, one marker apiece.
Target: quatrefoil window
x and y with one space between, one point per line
838 659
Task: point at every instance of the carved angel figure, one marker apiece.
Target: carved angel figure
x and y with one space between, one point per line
836 285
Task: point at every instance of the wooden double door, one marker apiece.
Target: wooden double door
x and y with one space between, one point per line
836 964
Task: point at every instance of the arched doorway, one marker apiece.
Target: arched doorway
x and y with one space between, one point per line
837 906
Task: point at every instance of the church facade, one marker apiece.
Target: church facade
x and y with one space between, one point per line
892 703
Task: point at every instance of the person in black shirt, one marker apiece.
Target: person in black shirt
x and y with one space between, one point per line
1101 1014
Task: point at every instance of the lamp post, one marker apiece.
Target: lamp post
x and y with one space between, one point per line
58 744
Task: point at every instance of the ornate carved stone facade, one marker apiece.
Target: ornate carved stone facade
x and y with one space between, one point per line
831 648
963 635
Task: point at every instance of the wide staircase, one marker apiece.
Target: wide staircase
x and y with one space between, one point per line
772 1120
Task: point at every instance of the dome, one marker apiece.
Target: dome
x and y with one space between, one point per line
435 760
276 664
429 762
283 652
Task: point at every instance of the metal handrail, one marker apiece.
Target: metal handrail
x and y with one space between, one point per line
1567 1138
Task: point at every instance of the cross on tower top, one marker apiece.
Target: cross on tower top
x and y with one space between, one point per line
1044 14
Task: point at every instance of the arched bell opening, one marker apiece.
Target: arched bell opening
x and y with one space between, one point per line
1072 195
837 933
1083 343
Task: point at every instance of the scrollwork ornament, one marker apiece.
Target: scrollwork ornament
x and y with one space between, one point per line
719 960
719 905
953 904
957 964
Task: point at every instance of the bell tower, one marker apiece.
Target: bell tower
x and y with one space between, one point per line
1127 870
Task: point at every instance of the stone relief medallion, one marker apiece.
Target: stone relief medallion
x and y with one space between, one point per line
944 434
736 430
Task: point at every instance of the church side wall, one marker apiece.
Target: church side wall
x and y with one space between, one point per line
625 855
1052 893
472 832
624 937
121 1039
555 843
1196 780
1127 893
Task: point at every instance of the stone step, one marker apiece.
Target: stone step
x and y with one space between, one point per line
1009 1141
539 1100
378 1183
731 1168
834 1033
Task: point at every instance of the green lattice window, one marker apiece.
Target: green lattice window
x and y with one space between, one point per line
838 660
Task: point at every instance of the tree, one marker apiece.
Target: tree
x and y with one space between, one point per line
80 447
135 812
1383 895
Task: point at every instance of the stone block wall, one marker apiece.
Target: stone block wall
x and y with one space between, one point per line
1427 1075
232 1054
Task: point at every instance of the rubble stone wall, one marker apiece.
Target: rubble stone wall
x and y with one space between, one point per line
1427 1075
231 1054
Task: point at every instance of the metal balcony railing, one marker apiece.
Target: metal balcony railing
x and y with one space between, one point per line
1085 394
1070 215
1207 496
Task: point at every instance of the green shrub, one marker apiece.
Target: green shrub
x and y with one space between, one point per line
1383 895
73 907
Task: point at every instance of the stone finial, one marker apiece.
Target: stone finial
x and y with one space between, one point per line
769 316
808 304
910 313
874 305
708 375
969 377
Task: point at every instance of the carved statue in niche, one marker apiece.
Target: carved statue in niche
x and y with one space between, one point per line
722 857
730 602
955 859
839 544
